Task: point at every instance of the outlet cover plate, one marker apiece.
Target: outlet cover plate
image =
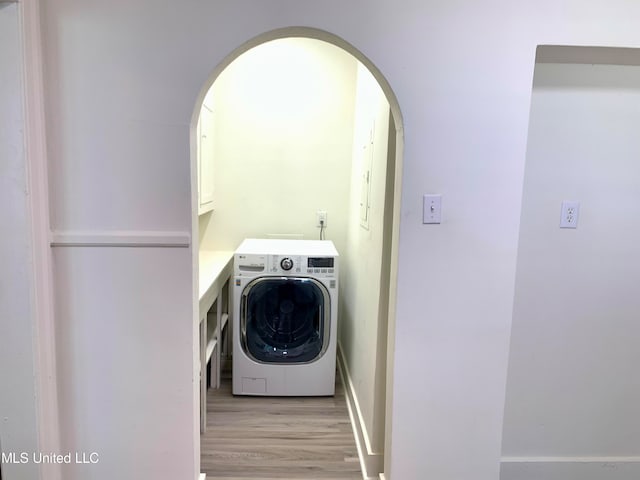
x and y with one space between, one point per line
321 218
569 214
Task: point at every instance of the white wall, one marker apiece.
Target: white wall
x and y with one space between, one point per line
18 407
362 263
283 139
125 325
572 389
462 74
124 393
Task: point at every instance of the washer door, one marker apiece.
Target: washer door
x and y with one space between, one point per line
285 319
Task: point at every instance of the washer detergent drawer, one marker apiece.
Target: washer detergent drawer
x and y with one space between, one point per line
285 319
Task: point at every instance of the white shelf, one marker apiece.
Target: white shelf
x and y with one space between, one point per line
215 267
210 348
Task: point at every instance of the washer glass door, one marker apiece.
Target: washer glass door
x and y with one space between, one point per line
285 319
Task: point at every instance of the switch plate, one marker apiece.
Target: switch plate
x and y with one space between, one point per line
322 218
569 214
432 208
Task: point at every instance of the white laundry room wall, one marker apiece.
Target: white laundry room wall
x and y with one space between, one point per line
572 391
363 320
283 133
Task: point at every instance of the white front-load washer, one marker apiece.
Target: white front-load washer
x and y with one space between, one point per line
285 317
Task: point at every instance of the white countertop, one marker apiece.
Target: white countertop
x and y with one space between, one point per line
215 266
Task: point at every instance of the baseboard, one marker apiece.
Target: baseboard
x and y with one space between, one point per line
203 476
370 462
563 468
382 477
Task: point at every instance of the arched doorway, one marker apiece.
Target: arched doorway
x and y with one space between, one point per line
368 408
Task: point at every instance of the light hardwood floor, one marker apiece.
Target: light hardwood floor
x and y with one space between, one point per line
254 438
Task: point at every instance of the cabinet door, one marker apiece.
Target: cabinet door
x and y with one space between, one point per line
205 160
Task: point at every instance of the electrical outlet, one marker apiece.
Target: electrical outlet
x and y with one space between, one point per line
322 218
569 214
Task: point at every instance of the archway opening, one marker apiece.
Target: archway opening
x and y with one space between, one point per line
299 127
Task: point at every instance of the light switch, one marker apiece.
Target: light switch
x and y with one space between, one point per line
431 208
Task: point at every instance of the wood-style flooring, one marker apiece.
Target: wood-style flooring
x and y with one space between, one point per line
285 438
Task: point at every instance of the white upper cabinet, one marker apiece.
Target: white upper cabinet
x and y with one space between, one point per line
205 132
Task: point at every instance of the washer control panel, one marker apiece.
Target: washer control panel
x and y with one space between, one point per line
321 266
301 265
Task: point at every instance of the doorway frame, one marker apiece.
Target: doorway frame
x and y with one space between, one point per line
41 361
325 36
